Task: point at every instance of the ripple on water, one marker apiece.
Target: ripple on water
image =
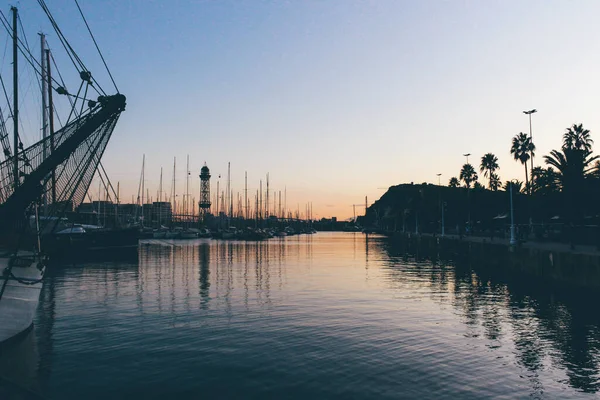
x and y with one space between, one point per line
331 315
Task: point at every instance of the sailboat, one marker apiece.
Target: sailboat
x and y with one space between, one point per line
50 176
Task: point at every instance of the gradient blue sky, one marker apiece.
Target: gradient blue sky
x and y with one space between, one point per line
334 98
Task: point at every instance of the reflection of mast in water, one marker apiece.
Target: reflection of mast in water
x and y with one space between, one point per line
246 262
44 328
228 258
267 267
204 257
173 265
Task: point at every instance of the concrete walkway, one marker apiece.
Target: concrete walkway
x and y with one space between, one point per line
547 246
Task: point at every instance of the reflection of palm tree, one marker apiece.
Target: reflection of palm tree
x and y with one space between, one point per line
577 138
522 149
454 182
489 165
468 175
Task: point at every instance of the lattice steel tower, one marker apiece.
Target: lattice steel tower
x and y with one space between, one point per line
204 204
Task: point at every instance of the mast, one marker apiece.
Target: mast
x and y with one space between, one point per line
246 192
51 121
267 199
217 205
143 183
284 200
260 203
160 190
44 114
117 207
15 98
228 199
187 189
174 211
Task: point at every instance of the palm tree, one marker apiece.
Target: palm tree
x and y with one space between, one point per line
522 149
545 181
468 175
574 163
517 186
577 138
489 165
454 182
495 182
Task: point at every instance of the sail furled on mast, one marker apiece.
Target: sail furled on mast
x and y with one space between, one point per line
78 148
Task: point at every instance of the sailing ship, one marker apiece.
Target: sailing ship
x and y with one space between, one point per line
48 177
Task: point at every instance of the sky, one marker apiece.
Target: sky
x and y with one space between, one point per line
336 100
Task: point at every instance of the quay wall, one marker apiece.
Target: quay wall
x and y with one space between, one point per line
578 269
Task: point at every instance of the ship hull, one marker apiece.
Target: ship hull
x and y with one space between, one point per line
19 300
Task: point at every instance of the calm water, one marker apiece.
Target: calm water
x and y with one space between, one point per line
333 315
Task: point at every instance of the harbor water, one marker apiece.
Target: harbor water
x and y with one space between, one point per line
324 316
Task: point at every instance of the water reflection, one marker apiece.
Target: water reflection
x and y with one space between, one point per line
324 316
548 326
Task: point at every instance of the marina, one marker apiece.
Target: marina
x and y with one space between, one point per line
292 200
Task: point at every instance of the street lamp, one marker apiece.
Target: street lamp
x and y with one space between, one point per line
530 132
440 201
513 240
468 197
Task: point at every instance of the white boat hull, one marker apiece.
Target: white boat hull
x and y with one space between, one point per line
18 301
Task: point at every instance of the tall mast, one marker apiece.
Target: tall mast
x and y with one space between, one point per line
15 98
51 121
44 113
160 190
261 203
143 182
284 201
227 203
117 207
267 205
187 188
174 197
246 192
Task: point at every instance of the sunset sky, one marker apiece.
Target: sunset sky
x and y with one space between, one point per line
335 99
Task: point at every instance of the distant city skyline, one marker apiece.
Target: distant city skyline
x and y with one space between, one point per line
334 100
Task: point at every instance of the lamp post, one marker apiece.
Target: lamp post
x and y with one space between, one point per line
530 132
440 201
468 198
443 226
513 240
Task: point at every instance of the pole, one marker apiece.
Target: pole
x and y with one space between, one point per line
143 182
15 98
51 121
513 240
44 113
117 207
531 139
443 226
246 192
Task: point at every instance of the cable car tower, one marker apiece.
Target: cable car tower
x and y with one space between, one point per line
204 204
